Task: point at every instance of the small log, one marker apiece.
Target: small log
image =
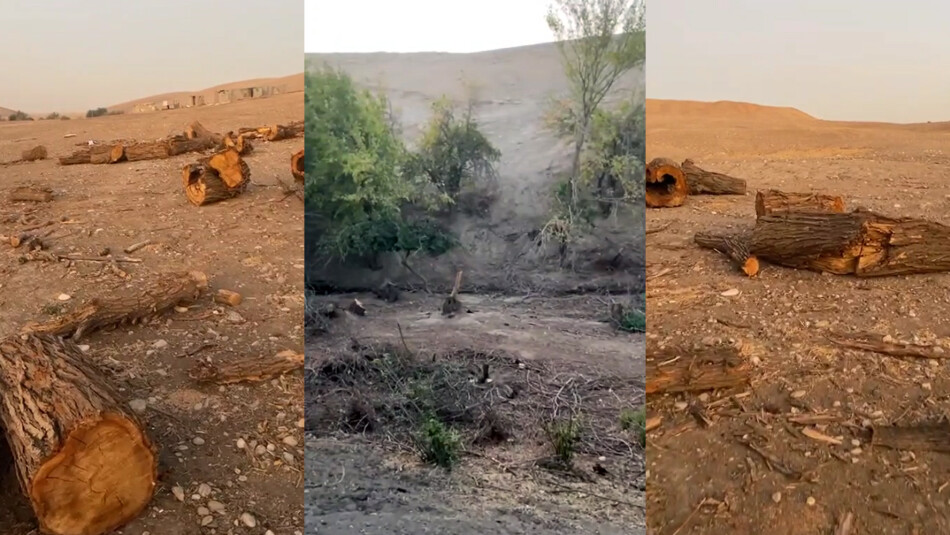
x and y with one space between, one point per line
734 247
109 153
777 202
862 243
36 153
923 437
83 460
296 165
30 194
149 299
666 185
79 157
688 371
227 297
452 305
703 182
249 369
281 132
150 150
32 242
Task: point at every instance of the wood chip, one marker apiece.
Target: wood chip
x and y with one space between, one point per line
814 434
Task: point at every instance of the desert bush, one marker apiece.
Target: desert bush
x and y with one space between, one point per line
633 321
453 153
564 436
19 116
635 421
439 444
52 116
98 112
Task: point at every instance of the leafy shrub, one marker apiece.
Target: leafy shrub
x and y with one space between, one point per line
636 421
564 436
19 116
98 112
439 444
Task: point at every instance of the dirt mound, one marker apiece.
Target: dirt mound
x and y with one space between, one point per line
724 109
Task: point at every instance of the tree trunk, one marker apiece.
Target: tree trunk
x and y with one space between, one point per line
78 157
707 182
102 154
149 299
296 165
734 247
777 202
152 150
249 369
36 153
30 194
675 370
281 132
221 176
82 459
861 243
181 144
666 185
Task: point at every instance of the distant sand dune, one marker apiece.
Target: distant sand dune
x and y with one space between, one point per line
724 109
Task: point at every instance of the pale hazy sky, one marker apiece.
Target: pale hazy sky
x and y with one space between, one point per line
424 25
63 55
843 59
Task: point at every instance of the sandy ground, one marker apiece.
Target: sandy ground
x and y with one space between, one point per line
371 484
252 244
702 480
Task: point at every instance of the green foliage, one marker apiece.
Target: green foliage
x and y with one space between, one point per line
564 435
439 444
613 158
453 153
19 116
633 321
98 112
636 421
359 193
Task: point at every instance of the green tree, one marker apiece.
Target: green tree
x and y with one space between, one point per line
98 112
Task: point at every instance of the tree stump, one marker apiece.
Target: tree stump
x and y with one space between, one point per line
151 298
36 153
666 185
861 243
680 370
296 165
702 182
734 247
82 459
777 202
452 305
221 176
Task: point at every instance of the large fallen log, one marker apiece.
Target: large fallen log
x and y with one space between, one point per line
151 298
734 247
149 150
681 370
108 153
181 144
777 202
296 165
666 184
706 182
78 157
862 243
280 132
36 153
82 459
249 369
30 194
221 176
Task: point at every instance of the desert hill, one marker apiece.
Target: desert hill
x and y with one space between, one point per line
292 83
724 109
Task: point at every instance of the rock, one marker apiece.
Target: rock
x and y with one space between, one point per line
204 490
810 501
241 444
64 297
179 493
216 506
248 520
202 511
290 441
207 520
198 441
732 292
776 497
138 405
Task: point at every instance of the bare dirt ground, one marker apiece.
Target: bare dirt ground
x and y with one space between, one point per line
252 244
702 480
546 356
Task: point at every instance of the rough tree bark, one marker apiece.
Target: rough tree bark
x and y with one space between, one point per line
734 247
777 202
296 165
681 370
30 194
249 369
150 298
109 153
82 459
710 183
861 243
78 157
280 132
221 176
666 185
150 150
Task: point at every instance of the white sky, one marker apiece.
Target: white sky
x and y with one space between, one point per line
423 25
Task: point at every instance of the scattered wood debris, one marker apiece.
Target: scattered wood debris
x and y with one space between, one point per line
30 194
893 349
249 369
227 297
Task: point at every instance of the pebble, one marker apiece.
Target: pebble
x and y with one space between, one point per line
241 444
64 297
83 347
732 292
680 405
290 441
179 493
198 441
301 423
810 501
249 520
216 506
797 394
160 344
776 497
202 511
260 449
204 490
288 457
206 520
138 405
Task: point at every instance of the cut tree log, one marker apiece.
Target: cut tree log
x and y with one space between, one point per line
221 176
181 144
248 370
923 437
296 165
734 247
666 185
777 202
85 463
108 153
78 157
151 150
227 297
36 153
197 131
862 243
281 132
452 305
241 143
680 370
703 182
30 194
150 298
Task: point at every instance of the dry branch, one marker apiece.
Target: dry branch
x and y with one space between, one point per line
83 460
149 299
674 370
249 369
734 247
892 349
776 202
666 184
701 181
